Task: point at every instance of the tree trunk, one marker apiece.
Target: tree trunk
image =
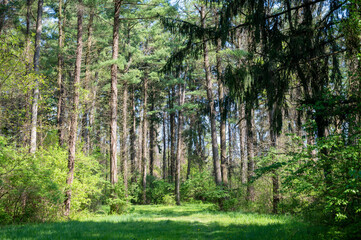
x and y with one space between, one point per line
74 114
34 110
222 111
114 97
164 148
172 135
133 138
85 120
179 145
230 155
212 111
250 153
243 143
152 139
275 178
61 91
144 140
125 136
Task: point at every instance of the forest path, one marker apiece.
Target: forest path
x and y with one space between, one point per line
194 221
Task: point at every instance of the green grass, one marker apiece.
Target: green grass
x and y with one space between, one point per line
171 222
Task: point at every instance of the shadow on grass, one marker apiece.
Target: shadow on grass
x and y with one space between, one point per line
166 229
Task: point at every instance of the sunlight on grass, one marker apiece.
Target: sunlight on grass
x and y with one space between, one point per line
198 221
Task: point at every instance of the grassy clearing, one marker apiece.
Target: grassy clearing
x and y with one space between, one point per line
171 222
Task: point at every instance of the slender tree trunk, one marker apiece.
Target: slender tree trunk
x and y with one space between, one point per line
172 136
133 138
230 155
152 140
144 140
61 91
34 111
243 143
74 114
250 153
179 145
222 111
164 148
125 136
114 97
85 119
275 178
212 111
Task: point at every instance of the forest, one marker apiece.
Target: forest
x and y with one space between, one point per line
109 107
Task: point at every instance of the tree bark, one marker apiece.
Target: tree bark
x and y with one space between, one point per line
172 135
250 153
243 143
152 139
164 148
222 110
179 145
114 96
144 139
86 114
61 91
74 114
133 138
212 111
34 110
125 136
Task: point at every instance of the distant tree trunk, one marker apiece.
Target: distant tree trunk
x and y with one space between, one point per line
74 114
172 135
230 155
222 111
152 139
144 139
250 152
275 178
85 119
164 148
34 110
243 143
114 97
133 137
212 111
61 91
125 136
179 145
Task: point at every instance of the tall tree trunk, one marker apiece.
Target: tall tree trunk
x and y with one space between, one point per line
179 145
34 110
212 111
61 91
250 152
222 111
74 114
152 139
144 139
114 97
230 155
125 136
243 143
164 148
133 137
172 135
275 178
86 114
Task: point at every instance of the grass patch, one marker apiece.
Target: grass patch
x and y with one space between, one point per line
171 222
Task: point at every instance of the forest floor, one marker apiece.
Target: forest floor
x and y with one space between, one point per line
195 221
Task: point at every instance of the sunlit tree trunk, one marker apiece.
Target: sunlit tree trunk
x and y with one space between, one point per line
74 113
144 139
212 111
34 110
